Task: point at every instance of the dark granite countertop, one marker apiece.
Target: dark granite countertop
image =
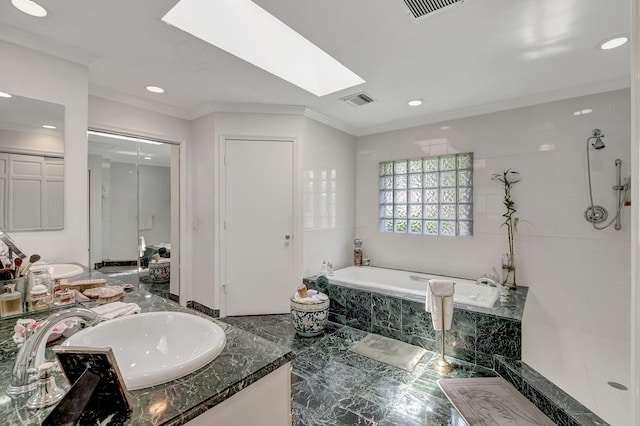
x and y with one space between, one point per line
245 359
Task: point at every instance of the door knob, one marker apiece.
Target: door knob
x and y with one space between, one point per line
287 237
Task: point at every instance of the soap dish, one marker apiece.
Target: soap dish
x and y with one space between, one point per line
105 294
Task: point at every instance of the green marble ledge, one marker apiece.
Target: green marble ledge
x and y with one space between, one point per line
245 359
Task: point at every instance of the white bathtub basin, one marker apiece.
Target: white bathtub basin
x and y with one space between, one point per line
467 292
155 347
60 270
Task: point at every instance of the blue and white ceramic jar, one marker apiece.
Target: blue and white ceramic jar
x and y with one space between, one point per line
160 272
309 319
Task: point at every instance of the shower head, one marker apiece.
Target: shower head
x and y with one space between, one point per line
598 144
597 135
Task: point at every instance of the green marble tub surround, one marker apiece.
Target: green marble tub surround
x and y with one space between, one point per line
475 336
246 359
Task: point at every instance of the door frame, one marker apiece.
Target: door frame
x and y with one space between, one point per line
219 267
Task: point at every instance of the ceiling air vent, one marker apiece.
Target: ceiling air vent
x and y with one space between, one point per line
421 8
358 99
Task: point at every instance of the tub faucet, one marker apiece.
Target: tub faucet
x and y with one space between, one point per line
488 281
31 354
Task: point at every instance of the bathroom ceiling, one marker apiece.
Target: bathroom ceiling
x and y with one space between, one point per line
473 57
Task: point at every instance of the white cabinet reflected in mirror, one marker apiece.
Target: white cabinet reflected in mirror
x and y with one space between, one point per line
134 210
31 164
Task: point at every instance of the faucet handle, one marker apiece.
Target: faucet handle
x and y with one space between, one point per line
47 391
45 369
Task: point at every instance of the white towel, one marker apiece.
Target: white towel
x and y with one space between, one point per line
436 290
116 309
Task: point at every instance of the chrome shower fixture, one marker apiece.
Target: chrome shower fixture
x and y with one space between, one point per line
597 135
595 214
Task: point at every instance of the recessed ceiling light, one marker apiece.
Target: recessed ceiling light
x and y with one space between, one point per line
49 126
415 102
30 8
4 95
445 127
614 42
583 112
147 158
155 89
244 29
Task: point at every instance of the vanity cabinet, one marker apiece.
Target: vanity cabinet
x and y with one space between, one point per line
267 402
35 192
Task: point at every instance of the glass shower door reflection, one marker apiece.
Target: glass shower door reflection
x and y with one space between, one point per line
134 210
158 217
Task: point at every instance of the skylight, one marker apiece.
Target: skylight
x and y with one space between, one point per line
249 32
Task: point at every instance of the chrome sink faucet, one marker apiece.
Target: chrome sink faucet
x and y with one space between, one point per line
31 354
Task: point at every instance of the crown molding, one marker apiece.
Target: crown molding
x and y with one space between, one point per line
331 122
256 108
503 105
248 108
48 46
112 95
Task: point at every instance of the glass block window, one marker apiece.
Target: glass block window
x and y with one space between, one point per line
430 195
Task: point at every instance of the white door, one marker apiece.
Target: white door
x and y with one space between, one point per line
259 269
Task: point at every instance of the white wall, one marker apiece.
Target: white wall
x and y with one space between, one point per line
578 277
202 158
95 210
155 201
35 75
118 117
328 182
208 132
319 148
121 208
635 218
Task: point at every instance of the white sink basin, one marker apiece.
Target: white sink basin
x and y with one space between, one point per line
155 347
60 270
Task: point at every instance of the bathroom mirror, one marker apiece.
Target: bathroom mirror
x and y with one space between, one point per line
134 210
31 164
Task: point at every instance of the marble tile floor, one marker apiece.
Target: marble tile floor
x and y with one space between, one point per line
332 386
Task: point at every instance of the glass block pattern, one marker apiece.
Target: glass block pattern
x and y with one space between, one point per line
429 196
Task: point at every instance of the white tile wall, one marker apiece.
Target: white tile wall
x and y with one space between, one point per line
329 208
578 277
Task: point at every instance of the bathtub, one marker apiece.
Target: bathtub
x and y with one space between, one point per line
467 292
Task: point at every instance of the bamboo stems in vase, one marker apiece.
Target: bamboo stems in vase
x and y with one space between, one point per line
508 178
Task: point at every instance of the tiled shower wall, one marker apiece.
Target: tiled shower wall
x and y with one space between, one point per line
474 337
559 255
